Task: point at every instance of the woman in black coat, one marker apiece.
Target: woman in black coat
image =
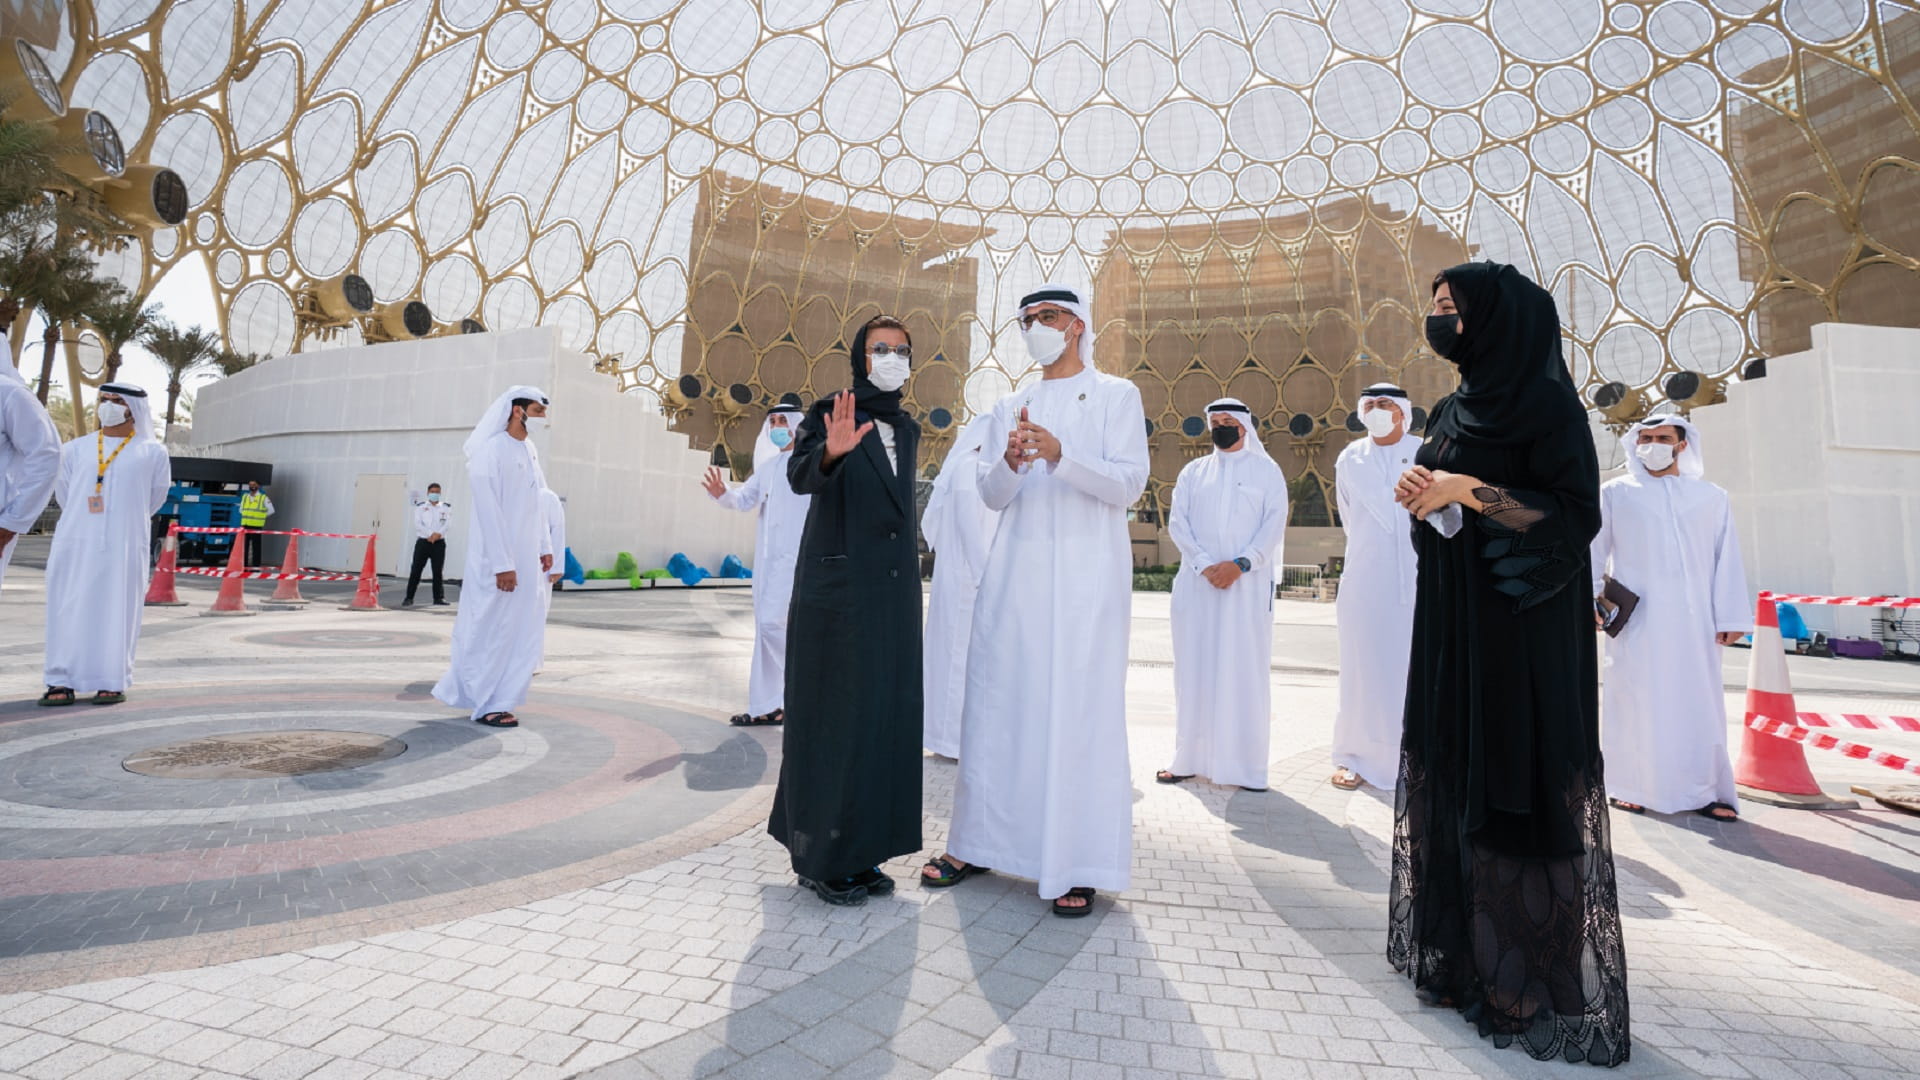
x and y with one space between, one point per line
849 795
1503 902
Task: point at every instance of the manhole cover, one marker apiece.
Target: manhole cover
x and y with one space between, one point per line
258 754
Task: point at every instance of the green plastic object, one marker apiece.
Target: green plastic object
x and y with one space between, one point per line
625 565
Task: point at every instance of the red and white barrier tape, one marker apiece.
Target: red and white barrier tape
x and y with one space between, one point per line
263 575
1780 729
276 532
1863 723
1844 601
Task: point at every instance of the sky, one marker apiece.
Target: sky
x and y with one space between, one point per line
186 297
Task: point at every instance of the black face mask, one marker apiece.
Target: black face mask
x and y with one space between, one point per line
1225 435
1443 333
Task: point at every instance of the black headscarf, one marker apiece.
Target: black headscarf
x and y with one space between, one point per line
1514 383
873 402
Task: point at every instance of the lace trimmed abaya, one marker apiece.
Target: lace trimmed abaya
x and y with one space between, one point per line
1503 897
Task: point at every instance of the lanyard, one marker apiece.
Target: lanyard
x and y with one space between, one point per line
100 455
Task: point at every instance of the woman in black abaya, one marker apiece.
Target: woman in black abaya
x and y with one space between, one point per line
1503 901
849 794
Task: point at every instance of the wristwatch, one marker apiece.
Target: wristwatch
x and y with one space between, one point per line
1245 564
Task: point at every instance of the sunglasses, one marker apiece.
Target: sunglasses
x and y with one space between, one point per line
1049 317
904 352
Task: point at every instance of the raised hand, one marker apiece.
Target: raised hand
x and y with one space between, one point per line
1038 441
1016 452
842 434
715 486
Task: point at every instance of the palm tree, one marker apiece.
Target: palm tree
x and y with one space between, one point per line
30 154
120 321
181 351
232 363
65 299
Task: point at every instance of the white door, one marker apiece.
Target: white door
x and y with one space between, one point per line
380 508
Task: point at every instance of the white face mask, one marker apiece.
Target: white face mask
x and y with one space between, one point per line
888 373
1379 421
1655 456
112 413
536 423
1045 343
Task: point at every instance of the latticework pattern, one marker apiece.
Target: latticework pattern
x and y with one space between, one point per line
1258 192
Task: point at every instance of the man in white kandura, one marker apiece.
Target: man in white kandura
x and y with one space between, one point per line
776 549
1375 607
958 528
553 513
29 460
1229 520
1044 790
498 633
110 484
1667 535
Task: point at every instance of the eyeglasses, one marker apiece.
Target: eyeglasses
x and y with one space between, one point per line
904 352
1049 317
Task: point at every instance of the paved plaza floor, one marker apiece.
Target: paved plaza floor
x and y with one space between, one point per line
594 894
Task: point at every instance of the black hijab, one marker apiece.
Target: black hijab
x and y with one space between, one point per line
1514 383
873 402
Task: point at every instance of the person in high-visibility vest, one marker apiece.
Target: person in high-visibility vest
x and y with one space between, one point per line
255 509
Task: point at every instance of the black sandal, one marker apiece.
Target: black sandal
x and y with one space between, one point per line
56 696
1631 808
497 719
1166 776
109 697
950 875
1707 811
847 892
1078 891
774 718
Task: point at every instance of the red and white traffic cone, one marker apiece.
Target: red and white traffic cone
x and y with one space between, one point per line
161 591
232 601
1771 770
367 596
288 591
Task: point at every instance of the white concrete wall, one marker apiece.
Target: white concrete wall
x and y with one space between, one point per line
1822 459
324 418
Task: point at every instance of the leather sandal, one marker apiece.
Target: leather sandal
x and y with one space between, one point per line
1168 776
498 719
1075 911
950 875
57 696
1344 778
1707 811
109 697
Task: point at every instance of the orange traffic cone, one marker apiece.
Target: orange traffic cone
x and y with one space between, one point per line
232 601
367 596
161 591
288 591
1771 770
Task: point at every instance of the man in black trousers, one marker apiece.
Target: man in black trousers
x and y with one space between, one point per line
430 520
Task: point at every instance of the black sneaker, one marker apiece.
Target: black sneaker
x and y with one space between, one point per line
874 881
408 602
441 603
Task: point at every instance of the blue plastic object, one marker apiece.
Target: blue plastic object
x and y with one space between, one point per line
574 574
1792 626
732 567
683 568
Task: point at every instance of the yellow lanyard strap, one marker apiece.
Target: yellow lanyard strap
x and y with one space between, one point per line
100 455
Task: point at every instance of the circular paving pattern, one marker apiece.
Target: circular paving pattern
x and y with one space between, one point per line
345 639
201 810
257 754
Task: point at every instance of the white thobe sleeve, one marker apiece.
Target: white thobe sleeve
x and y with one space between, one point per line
159 483
1268 540
1602 549
750 495
488 511
27 426
1732 607
998 482
1343 470
1180 530
556 530
1115 472
936 518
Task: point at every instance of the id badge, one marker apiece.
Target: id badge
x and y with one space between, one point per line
96 504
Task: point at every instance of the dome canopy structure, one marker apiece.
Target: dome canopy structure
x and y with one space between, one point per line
703 193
